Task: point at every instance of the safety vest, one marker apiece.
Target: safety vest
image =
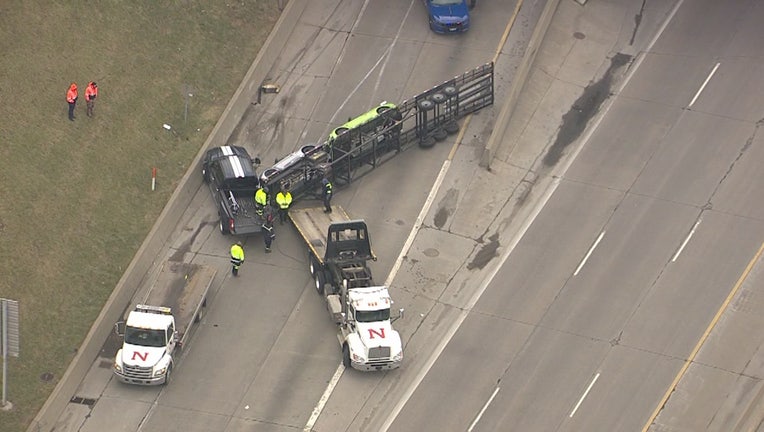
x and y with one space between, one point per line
261 197
284 200
71 94
237 254
268 231
327 188
91 91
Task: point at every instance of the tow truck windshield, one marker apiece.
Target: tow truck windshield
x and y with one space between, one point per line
372 316
145 337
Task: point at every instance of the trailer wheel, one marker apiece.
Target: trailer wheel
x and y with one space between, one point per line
318 277
439 134
346 355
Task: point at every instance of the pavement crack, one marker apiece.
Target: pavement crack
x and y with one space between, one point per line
637 22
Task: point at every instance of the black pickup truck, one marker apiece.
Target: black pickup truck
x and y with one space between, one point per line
230 173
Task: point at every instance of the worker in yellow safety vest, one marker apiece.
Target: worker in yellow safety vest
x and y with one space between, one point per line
261 200
284 200
237 257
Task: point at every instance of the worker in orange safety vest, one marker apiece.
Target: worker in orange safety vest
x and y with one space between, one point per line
71 99
91 92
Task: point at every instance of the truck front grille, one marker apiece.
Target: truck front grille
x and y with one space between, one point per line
379 353
138 372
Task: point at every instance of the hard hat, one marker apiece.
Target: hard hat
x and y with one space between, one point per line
238 243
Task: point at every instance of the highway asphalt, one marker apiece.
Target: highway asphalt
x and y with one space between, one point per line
612 287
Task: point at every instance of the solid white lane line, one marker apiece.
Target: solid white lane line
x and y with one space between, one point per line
686 240
406 395
324 398
419 221
700 90
480 414
583 396
583 261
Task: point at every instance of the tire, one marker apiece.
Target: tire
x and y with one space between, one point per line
167 376
223 228
319 280
202 311
270 172
440 134
340 130
427 142
312 264
204 175
426 105
451 127
346 355
307 149
438 98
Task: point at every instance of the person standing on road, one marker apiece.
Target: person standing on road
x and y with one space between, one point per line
284 200
71 99
261 200
327 193
237 257
91 92
268 233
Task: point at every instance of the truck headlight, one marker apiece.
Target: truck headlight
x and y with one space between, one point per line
160 372
117 367
398 357
358 358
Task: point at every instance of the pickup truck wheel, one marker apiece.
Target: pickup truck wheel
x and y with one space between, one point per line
204 175
318 277
346 355
223 228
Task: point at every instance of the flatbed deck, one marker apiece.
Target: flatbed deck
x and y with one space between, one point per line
182 287
313 225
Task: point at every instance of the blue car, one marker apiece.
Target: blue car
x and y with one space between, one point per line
448 16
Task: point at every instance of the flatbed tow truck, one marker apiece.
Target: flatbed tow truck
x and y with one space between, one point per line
339 250
158 327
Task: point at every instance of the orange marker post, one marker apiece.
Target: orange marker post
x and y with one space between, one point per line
153 178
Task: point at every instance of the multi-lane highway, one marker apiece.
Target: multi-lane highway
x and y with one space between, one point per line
615 281
613 291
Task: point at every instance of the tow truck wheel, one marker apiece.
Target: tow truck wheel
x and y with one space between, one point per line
313 264
346 355
202 310
223 228
167 375
318 277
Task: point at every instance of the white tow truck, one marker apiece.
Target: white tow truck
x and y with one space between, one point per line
157 327
339 250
